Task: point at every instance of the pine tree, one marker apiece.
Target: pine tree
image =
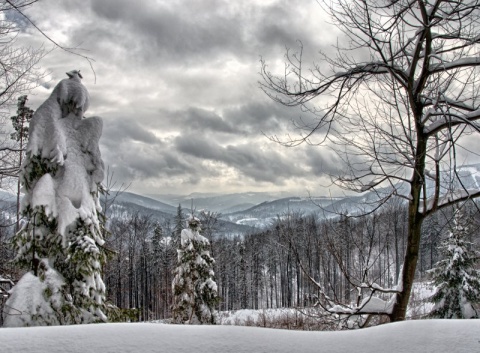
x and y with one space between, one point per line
455 277
194 288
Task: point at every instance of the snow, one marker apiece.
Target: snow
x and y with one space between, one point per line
439 336
194 289
46 137
61 175
462 62
28 299
68 196
375 304
446 121
60 133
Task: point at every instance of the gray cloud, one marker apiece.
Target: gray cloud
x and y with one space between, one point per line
177 86
248 159
128 129
201 120
322 161
186 32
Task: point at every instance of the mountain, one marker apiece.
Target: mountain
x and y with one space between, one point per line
7 196
263 214
242 211
224 203
128 203
146 202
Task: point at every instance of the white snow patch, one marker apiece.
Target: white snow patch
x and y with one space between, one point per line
439 336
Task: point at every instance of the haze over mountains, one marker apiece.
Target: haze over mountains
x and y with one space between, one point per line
243 209
260 209
240 213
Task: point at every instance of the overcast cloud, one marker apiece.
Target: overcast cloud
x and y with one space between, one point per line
177 87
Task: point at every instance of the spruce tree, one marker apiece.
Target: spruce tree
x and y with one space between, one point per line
61 242
456 279
194 288
179 221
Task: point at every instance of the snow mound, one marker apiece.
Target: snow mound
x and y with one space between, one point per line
439 336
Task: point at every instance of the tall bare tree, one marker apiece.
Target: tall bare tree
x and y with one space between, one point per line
396 103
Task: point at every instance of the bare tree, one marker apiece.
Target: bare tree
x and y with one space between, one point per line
18 75
396 104
18 71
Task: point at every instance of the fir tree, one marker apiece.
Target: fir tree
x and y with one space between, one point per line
194 288
455 277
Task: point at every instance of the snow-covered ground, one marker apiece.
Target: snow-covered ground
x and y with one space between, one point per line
307 318
436 336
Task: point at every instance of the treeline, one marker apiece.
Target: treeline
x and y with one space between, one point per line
296 262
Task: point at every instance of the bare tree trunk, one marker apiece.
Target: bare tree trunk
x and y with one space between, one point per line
415 220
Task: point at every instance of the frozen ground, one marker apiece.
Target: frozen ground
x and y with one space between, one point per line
436 336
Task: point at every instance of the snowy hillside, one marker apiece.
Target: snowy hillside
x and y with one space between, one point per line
264 214
129 203
145 202
422 336
224 203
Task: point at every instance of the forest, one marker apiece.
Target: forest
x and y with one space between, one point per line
395 104
271 268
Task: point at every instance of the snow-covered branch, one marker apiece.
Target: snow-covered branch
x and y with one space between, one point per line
449 199
453 65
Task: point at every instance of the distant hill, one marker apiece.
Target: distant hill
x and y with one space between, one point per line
225 203
147 202
240 212
265 213
128 203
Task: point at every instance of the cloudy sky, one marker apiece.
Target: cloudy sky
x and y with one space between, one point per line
177 86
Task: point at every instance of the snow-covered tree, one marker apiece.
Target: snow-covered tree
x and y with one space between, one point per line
194 287
61 242
456 279
179 221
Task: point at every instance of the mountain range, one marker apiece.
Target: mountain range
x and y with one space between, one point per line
240 213
260 209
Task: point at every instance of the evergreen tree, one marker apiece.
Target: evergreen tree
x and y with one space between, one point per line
455 277
157 248
179 221
194 288
61 243
20 124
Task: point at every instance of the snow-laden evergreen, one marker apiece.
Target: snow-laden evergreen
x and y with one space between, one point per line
456 279
61 241
194 287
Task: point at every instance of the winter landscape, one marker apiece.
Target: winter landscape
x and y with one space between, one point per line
163 189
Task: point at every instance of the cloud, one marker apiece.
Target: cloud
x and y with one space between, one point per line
249 159
177 86
127 129
195 119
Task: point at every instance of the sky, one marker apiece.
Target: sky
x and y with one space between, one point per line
422 336
177 84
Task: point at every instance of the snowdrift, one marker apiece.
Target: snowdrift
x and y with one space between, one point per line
439 336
